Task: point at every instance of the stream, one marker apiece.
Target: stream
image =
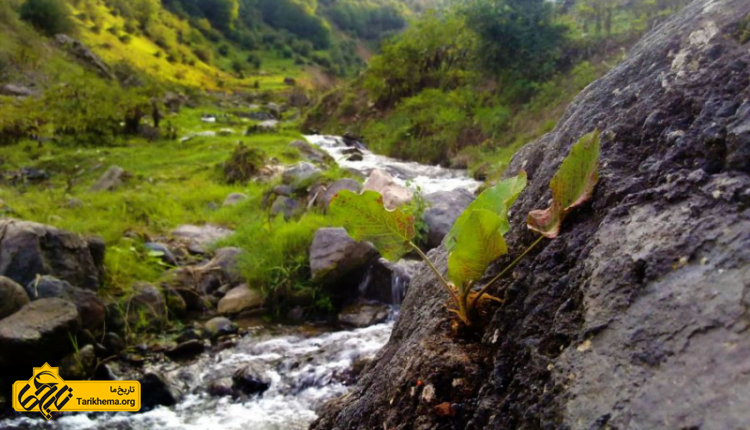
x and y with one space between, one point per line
305 365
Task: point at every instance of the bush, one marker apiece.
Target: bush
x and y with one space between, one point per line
47 16
243 164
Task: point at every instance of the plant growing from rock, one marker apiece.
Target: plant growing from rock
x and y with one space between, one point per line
477 237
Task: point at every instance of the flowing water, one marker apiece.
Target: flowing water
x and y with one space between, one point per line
306 366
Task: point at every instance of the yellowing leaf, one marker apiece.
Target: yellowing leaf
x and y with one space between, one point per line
572 185
365 219
479 244
497 199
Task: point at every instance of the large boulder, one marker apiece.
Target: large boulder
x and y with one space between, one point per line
90 307
443 210
311 152
38 333
28 249
198 238
339 262
12 297
240 299
335 188
394 195
637 315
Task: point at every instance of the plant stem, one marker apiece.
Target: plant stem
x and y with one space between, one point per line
507 269
436 271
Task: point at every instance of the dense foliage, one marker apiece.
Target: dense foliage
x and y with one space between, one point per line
48 16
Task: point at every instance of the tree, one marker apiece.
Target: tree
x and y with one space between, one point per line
517 38
222 13
48 16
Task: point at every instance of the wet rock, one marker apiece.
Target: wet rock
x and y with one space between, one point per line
363 315
200 237
221 387
113 343
29 249
166 254
146 308
339 262
606 325
251 380
156 390
38 332
311 152
355 157
286 206
186 349
234 198
78 365
240 299
394 195
335 188
111 180
443 210
220 326
90 307
12 297
386 282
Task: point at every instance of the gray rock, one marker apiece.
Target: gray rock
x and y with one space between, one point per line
311 152
283 190
38 332
268 126
386 282
336 187
287 206
234 199
636 316
394 195
299 99
200 237
29 249
85 55
363 315
189 348
220 326
355 157
12 297
443 210
157 390
78 365
251 379
220 387
240 299
338 262
300 175
111 180
166 254
15 90
90 307
274 109
146 308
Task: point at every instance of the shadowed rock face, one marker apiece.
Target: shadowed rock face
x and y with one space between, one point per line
637 316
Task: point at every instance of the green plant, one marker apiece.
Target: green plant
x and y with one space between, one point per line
48 16
477 237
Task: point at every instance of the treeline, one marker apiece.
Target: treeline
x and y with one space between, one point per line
458 86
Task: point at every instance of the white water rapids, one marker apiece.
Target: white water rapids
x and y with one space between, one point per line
306 367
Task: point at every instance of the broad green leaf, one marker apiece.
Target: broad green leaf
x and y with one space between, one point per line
365 219
572 185
497 199
479 244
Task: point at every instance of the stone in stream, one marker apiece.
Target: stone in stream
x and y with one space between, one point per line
90 307
443 210
240 299
185 349
39 332
394 195
251 380
385 282
363 314
111 180
311 152
12 297
157 390
220 326
336 187
338 262
28 249
221 387
637 315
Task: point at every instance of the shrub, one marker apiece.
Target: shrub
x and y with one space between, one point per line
243 164
47 16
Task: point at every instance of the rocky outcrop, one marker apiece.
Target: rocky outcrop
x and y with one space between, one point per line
39 332
394 195
637 315
28 249
338 262
444 208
